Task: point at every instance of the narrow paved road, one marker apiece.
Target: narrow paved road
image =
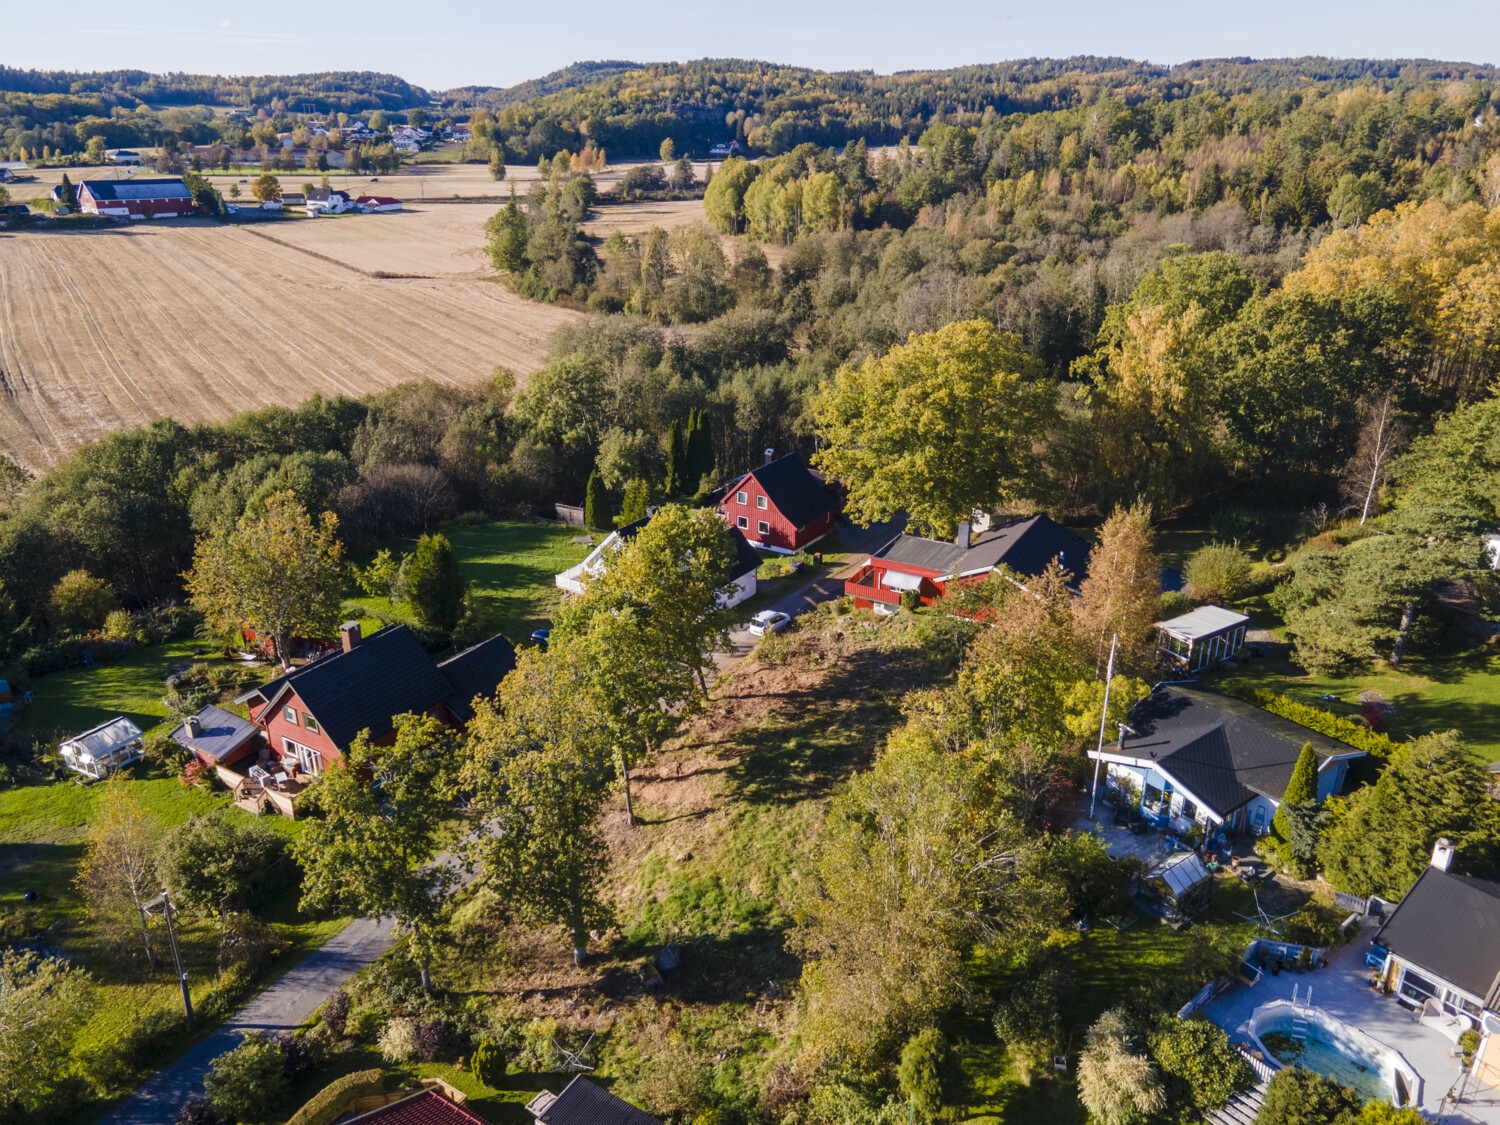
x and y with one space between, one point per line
281 1007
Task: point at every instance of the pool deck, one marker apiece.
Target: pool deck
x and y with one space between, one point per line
1343 991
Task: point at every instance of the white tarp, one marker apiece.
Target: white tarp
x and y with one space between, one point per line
900 580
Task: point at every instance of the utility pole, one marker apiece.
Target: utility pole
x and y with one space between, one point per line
167 910
1109 676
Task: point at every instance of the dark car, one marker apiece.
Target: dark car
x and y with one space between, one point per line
540 636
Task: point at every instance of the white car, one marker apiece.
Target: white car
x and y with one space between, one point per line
768 621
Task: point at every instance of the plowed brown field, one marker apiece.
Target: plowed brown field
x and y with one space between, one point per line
105 329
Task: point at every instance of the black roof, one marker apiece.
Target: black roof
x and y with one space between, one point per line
1026 546
583 1103
792 489
477 670
1223 750
387 674
1449 925
137 188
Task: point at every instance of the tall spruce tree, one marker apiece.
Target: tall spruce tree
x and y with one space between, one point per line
676 458
596 503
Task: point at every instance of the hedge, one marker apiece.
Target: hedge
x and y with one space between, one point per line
1347 731
329 1103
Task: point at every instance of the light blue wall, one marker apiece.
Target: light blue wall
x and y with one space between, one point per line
1331 780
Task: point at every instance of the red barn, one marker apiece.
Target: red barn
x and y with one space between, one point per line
136 199
312 715
909 563
782 506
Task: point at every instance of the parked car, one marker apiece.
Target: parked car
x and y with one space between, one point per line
768 621
540 636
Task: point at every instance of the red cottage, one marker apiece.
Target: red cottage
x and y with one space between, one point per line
783 506
136 199
313 714
929 566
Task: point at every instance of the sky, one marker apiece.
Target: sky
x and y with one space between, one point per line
443 43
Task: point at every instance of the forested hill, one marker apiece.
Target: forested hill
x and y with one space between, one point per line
569 77
322 92
773 108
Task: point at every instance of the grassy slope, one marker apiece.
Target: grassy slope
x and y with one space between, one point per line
511 567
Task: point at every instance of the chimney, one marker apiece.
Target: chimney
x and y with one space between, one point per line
349 633
1442 853
962 539
194 727
770 456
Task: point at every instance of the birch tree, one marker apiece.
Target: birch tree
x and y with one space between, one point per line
1381 437
118 873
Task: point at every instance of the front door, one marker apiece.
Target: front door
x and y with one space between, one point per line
309 761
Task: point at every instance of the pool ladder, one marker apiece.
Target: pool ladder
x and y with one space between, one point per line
1300 1011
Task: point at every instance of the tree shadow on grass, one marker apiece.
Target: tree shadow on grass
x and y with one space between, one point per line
817 738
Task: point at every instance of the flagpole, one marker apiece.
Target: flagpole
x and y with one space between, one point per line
1109 676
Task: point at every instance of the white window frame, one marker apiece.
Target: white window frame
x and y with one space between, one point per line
311 724
741 498
742 522
307 758
760 502
762 527
289 713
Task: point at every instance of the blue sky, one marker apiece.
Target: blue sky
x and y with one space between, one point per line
441 43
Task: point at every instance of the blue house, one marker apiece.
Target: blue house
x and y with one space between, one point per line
1191 756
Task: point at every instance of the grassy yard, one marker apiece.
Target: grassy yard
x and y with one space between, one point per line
80 698
510 566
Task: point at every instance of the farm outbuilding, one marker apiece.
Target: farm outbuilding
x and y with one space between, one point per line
136 199
97 753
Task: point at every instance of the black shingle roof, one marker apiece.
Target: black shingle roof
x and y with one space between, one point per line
1223 750
583 1103
477 670
387 674
792 488
1026 546
137 189
1449 925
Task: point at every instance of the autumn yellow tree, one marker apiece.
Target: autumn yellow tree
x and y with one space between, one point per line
282 574
118 873
1122 591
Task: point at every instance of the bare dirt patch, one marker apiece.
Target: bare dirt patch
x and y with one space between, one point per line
105 329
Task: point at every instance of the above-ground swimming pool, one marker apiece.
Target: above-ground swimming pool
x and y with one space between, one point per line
1333 1048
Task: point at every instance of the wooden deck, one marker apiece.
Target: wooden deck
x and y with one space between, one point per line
251 796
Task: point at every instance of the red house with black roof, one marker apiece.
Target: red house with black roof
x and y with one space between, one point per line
312 715
930 566
136 198
783 506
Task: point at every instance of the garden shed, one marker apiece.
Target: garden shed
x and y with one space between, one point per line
1200 639
1180 886
99 752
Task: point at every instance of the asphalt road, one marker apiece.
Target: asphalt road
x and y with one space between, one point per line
281 1007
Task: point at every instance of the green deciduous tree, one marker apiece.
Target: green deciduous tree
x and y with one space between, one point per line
724 201
927 1062
282 574
1298 1096
497 163
80 602
1457 466
266 188
118 872
248 1083
433 584
509 232
1217 573
212 863
1201 1069
44 1003
1381 836
537 762
940 426
381 808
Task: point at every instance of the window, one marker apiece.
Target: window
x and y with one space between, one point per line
760 502
742 522
741 498
307 760
290 715
763 527
1189 809
1152 800
310 723
1417 988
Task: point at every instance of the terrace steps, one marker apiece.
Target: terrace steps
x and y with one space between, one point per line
1242 1108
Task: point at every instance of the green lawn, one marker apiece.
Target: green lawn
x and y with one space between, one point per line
80 698
510 566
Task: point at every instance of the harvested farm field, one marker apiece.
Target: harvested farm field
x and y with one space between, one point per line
105 329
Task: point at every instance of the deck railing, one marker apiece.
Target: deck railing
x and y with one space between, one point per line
856 589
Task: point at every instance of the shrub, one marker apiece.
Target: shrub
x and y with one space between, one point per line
245 940
1217 573
1234 523
336 1012
365 1023
196 1111
429 1040
328 1103
249 1082
295 1056
1297 1096
1347 731
1174 603
212 863
488 1064
1201 1068
398 1040
1117 1081
925 1060
81 603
